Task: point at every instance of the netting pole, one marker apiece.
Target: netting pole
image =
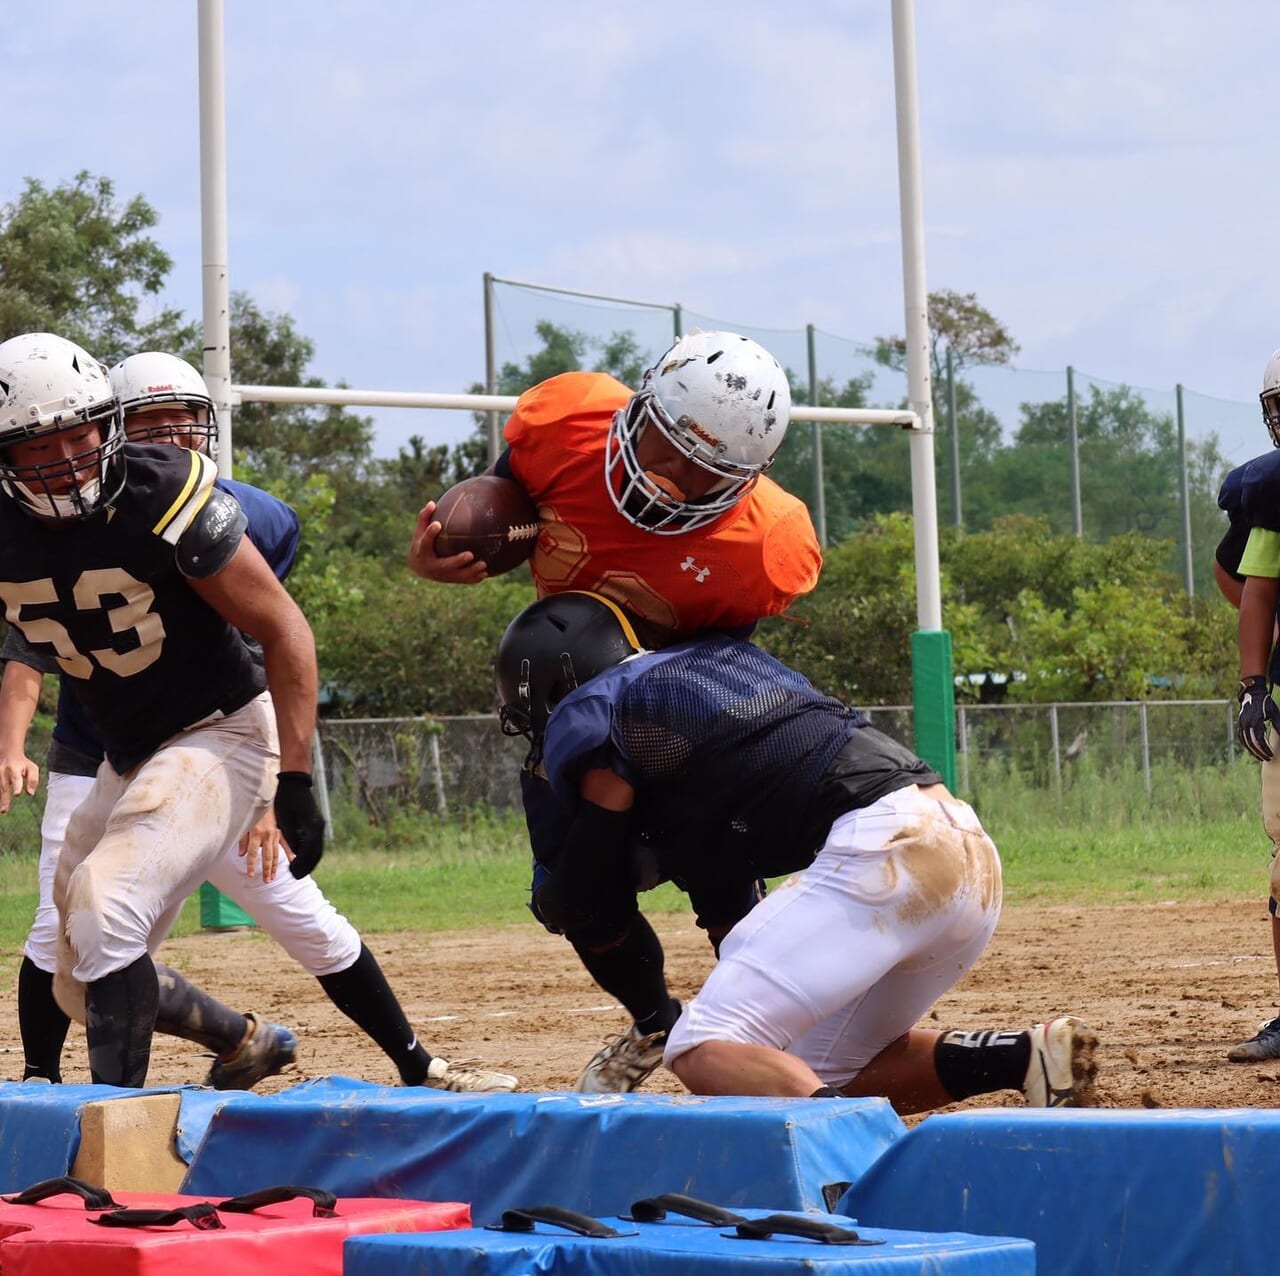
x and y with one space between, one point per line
490 367
819 488
1077 510
932 685
677 320
1185 494
957 516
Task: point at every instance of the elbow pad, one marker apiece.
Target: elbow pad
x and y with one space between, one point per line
212 537
591 883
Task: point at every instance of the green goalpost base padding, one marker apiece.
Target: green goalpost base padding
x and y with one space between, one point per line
933 692
217 912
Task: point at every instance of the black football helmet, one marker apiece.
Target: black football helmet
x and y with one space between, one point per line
553 646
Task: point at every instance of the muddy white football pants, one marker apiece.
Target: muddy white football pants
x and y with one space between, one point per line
846 956
1271 815
295 913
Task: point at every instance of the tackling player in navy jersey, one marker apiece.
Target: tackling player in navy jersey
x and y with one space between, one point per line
125 565
165 400
717 764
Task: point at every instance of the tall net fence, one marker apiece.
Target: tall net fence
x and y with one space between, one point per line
452 766
1094 456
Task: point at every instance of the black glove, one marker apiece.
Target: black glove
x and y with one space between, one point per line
300 821
1256 709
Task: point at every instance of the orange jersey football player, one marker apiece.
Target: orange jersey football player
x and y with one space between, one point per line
658 500
693 535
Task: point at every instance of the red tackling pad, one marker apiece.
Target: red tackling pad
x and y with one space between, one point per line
282 1230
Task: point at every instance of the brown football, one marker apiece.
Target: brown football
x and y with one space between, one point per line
491 516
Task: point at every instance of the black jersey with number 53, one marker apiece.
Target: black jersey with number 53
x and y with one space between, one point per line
144 654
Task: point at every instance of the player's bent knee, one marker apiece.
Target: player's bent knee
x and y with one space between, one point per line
99 942
693 1066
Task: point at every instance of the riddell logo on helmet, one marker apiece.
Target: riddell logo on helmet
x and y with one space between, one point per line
705 435
159 389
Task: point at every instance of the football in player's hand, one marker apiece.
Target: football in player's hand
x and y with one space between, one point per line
491 516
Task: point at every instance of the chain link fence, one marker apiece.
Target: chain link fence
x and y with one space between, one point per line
447 766
452 766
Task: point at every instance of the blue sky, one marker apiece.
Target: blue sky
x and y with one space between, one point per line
1104 176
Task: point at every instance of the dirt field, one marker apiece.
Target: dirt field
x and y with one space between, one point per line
1167 987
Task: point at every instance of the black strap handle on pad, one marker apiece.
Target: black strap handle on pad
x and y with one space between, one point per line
523 1220
203 1216
810 1229
653 1209
322 1202
94 1198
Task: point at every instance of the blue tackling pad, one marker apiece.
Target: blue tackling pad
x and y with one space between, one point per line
592 1153
40 1125
1099 1191
675 1247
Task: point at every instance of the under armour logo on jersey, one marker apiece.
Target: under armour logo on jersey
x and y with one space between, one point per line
700 573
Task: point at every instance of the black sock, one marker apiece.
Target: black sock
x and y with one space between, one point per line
190 1013
632 971
827 1092
41 1023
362 993
970 1063
120 1016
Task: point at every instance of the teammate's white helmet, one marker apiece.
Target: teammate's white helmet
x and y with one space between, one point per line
1270 397
150 380
722 401
49 385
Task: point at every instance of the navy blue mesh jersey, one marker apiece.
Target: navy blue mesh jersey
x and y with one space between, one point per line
735 759
1258 482
103 599
1231 500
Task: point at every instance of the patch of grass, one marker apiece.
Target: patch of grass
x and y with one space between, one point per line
1098 840
1101 839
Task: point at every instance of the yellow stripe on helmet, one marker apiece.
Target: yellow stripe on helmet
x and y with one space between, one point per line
618 614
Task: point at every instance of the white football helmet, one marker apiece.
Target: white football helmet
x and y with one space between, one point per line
723 402
150 380
1270 397
49 385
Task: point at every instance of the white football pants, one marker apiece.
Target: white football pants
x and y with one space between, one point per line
847 955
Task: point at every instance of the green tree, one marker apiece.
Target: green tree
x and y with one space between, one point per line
1130 473
75 261
566 350
1041 614
960 324
275 440
961 327
863 473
